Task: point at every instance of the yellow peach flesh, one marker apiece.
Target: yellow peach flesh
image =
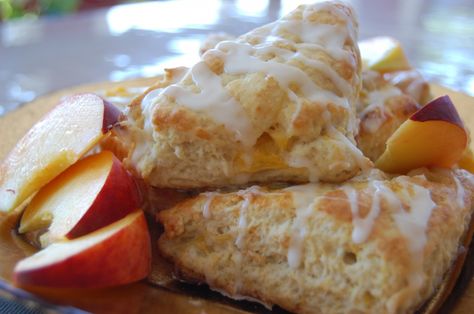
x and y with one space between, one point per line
467 161
383 54
117 254
52 145
421 144
70 194
90 194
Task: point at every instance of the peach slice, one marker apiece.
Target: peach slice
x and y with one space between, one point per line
432 136
117 254
383 54
53 144
89 195
467 160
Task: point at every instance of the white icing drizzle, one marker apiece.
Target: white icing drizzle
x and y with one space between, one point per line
329 38
373 124
378 97
286 54
412 225
411 81
206 212
147 106
242 221
351 194
294 98
242 224
330 6
341 84
214 100
363 226
239 58
376 100
304 200
363 162
307 163
460 192
242 229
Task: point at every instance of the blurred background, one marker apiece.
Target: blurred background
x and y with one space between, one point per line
47 45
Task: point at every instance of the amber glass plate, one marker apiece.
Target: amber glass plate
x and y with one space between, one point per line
456 294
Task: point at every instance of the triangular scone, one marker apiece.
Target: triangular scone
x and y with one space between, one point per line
370 245
277 103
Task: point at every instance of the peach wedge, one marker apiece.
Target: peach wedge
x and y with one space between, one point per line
467 161
53 144
434 136
117 254
89 195
383 54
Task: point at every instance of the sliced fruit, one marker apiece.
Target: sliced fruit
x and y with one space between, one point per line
467 160
432 136
117 254
383 54
89 195
53 144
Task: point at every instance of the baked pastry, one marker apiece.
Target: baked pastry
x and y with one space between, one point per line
382 107
371 245
411 83
276 104
385 101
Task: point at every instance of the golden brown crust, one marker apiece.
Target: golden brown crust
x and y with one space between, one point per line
336 275
184 148
171 76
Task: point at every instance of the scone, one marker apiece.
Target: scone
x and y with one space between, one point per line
382 107
276 104
371 245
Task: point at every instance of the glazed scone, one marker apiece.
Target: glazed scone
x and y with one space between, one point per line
370 245
276 104
382 107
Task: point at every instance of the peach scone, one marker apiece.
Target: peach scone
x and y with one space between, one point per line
375 244
276 104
